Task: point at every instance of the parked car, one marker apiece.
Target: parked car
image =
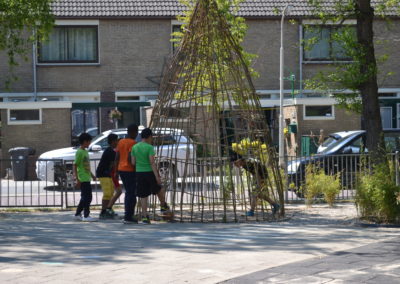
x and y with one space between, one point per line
333 138
53 165
342 156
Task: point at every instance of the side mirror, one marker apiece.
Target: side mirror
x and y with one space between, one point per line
347 150
96 148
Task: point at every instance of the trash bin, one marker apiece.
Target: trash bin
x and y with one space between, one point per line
19 163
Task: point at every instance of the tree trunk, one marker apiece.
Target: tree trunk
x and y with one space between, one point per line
369 87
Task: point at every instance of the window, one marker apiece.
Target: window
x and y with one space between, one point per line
356 147
322 43
387 117
318 112
174 39
24 116
84 120
70 44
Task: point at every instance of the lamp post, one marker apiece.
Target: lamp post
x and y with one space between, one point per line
285 10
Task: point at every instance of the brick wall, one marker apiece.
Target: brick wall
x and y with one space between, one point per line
263 39
133 52
53 133
387 36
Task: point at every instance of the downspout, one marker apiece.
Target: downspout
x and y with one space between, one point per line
34 56
301 61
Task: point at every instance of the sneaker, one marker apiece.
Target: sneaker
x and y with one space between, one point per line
112 213
250 213
88 219
130 221
77 217
146 220
275 208
164 208
105 215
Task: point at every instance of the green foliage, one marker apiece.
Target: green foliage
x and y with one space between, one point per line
222 75
318 183
346 75
22 22
377 196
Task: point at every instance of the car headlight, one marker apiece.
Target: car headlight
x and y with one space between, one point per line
293 167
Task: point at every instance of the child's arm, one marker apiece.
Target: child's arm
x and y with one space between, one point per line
116 162
155 168
114 178
78 182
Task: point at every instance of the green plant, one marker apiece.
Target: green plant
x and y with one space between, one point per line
377 194
317 183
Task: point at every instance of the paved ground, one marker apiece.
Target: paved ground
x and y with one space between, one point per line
311 247
375 263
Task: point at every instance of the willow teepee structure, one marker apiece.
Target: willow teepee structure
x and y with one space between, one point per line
208 101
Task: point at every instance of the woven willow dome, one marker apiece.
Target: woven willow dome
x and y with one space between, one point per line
207 95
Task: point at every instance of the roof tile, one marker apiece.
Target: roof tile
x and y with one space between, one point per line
172 8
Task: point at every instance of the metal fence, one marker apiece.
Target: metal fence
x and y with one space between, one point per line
205 193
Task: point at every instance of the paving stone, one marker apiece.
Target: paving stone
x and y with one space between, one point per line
53 249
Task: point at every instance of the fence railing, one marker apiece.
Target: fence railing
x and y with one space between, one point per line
203 192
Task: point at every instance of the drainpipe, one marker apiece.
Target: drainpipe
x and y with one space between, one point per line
301 61
34 56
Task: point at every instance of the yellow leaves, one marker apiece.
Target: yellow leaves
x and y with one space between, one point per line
250 148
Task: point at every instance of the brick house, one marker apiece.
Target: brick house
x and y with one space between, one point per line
107 54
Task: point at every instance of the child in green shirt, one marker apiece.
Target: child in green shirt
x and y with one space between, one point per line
83 175
147 175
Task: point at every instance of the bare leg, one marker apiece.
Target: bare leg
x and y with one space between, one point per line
253 202
161 196
104 204
117 194
267 198
143 204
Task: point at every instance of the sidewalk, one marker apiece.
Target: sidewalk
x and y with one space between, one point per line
375 263
50 247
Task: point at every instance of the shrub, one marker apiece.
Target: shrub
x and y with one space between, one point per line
317 183
377 195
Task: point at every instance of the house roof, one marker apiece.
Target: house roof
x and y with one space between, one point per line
172 8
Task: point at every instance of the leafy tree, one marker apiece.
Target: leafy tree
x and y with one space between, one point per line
360 75
22 22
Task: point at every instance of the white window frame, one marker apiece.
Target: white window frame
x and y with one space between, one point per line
24 122
332 117
60 23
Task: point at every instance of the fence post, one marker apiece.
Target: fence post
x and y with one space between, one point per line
286 181
397 168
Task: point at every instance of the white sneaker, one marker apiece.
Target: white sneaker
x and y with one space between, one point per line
77 217
89 219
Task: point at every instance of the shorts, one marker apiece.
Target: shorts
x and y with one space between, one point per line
146 184
107 186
